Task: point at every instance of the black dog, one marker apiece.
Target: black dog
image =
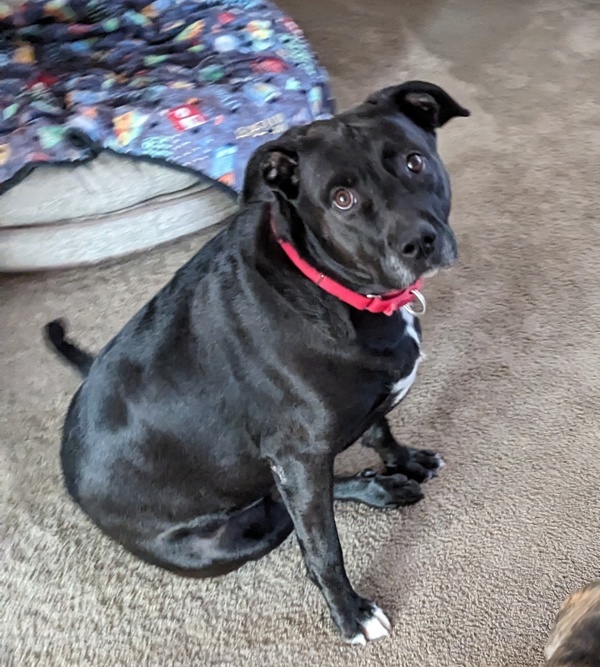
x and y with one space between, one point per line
206 430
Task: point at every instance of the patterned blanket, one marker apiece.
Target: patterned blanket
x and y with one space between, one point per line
194 83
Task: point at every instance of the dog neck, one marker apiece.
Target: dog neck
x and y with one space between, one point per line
387 303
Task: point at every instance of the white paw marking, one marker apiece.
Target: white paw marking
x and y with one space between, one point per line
431 474
375 627
382 618
359 640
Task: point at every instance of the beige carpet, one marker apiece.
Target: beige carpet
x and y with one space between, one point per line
471 576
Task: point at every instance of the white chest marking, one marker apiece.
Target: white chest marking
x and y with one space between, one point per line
400 388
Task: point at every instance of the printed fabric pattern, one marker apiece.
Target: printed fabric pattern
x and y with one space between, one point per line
197 84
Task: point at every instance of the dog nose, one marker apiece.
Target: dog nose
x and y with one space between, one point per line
421 244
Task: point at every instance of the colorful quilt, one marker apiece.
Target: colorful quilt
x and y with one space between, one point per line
195 83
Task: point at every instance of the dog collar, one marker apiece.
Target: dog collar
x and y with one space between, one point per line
387 303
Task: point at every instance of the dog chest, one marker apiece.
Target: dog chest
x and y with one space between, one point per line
401 387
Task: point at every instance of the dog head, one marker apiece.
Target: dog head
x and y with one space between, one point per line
575 637
364 195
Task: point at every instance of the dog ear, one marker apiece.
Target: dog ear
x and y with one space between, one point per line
426 104
272 169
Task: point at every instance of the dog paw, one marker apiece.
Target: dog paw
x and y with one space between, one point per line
373 624
422 465
392 491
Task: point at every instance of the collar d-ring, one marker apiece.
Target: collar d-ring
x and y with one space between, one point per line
418 307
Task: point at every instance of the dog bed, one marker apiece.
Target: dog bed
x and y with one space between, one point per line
126 123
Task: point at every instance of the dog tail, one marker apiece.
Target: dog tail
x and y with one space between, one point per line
56 335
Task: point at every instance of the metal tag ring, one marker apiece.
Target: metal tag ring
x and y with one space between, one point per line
420 310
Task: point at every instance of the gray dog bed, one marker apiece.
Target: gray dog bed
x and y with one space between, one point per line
68 215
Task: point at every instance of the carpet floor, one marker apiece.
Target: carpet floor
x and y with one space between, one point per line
471 576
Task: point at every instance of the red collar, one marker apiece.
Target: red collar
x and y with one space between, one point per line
387 303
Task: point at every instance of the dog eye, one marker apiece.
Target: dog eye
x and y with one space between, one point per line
415 162
343 199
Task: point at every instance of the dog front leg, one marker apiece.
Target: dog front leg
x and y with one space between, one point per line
418 464
306 487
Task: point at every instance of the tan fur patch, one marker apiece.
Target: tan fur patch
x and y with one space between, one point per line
575 608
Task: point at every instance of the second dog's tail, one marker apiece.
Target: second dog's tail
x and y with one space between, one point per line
56 335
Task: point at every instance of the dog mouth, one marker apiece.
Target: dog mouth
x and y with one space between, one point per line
406 275
445 263
426 263
434 270
444 259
